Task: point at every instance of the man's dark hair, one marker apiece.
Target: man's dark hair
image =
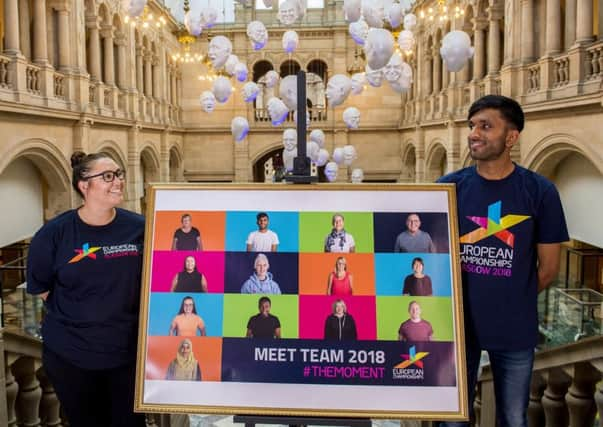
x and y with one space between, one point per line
263 300
185 215
261 215
508 108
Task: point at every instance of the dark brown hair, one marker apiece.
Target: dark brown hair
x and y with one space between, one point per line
81 163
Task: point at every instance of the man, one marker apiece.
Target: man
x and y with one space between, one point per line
262 240
511 224
415 329
187 237
264 324
260 281
414 239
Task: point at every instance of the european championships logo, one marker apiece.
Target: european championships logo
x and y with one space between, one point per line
494 225
85 252
405 370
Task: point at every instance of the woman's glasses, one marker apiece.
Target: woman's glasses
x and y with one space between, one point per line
109 176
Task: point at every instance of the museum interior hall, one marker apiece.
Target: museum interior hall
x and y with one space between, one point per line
206 91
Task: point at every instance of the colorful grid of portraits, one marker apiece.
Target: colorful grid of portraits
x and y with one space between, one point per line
301 297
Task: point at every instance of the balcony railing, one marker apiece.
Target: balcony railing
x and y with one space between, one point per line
594 61
33 79
316 115
5 81
59 85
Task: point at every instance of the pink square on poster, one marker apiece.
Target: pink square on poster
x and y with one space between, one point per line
314 310
166 264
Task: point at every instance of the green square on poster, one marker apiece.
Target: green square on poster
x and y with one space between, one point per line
392 311
315 226
239 308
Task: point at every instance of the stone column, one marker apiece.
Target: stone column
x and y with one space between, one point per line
24 19
584 21
570 24
30 393
553 24
148 77
494 41
437 69
427 73
139 72
479 59
64 42
40 47
156 78
94 51
109 59
120 40
527 31
11 32
445 76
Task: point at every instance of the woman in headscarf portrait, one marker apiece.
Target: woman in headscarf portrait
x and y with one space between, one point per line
184 367
189 279
339 240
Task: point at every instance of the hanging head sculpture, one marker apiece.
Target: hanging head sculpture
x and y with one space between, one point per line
257 33
338 89
219 50
378 47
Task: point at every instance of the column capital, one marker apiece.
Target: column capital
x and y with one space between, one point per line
495 13
92 23
59 5
107 31
480 24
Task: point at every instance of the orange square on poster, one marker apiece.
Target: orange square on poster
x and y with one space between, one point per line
314 270
162 350
211 226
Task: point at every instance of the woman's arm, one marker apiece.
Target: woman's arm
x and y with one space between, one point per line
173 328
203 283
174 243
174 283
201 327
330 284
199 243
351 278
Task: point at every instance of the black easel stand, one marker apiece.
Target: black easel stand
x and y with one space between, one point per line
252 420
302 163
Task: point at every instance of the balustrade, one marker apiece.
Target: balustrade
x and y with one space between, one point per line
594 62
59 85
533 84
5 82
32 79
561 71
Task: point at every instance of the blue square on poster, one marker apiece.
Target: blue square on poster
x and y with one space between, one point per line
239 226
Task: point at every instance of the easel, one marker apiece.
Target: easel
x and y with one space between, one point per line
302 163
252 420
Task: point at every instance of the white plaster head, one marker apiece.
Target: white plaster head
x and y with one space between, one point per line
240 72
373 12
302 6
289 139
207 101
374 77
322 157
222 88
352 9
394 15
378 47
393 69
338 155
318 136
312 150
257 33
209 16
331 171
192 23
288 12
349 154
288 157
406 5
288 91
219 50
272 78
307 118
338 89
231 63
290 41
358 81
406 40
267 3
351 117
410 21
133 8
456 50
357 176
239 128
403 83
250 91
277 110
359 30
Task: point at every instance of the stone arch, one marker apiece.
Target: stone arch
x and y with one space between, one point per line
436 161
104 15
552 149
176 163
54 168
261 67
112 149
273 151
318 67
289 67
90 8
409 162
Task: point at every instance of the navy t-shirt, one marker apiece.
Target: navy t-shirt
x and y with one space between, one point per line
500 224
93 276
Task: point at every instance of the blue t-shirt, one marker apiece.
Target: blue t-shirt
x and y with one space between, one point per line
500 224
93 276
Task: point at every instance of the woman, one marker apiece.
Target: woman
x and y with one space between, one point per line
184 366
340 281
339 240
187 237
189 279
340 325
187 322
86 264
418 283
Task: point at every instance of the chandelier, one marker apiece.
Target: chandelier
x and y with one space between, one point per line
146 19
441 12
185 55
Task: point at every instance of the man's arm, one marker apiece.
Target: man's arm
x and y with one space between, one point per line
249 333
277 333
199 243
548 263
174 243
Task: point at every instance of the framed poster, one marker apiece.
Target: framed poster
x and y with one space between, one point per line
334 300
